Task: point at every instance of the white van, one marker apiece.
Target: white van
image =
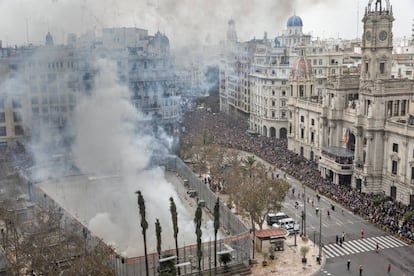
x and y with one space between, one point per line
288 224
274 218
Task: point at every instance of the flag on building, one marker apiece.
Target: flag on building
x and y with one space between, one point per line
346 136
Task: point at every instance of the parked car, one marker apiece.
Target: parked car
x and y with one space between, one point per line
288 224
274 218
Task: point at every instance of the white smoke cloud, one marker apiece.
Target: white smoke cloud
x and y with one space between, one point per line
184 21
105 123
109 147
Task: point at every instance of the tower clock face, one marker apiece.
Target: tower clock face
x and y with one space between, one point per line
368 36
383 35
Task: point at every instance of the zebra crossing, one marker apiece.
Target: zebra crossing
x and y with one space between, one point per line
361 245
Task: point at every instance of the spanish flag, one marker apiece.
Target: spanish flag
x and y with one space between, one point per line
346 136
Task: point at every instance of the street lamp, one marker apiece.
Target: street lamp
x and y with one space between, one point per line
304 210
320 238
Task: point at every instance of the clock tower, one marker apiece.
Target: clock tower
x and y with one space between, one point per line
377 41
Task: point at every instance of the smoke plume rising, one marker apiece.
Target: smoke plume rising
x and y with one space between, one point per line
184 21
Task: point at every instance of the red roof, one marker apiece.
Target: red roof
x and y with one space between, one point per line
273 232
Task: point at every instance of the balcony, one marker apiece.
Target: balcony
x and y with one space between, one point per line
337 159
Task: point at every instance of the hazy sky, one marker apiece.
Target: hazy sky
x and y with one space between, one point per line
186 21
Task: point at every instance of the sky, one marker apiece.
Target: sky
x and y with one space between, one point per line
188 21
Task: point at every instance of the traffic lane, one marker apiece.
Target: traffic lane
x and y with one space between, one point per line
373 263
340 219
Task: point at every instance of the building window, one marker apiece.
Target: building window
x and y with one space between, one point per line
395 147
273 103
403 107
17 117
283 103
301 90
382 67
394 167
35 100
273 114
283 93
283 114
273 92
3 131
313 122
2 117
16 104
312 137
302 119
366 67
290 129
18 131
302 133
412 173
396 108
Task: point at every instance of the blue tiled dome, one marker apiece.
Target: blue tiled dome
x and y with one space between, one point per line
295 21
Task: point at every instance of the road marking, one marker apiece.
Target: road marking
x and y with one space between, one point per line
362 245
381 243
398 241
356 248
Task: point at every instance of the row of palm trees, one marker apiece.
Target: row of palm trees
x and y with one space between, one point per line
174 215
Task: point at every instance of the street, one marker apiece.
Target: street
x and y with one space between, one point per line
359 250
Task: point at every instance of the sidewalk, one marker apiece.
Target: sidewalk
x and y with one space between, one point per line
289 261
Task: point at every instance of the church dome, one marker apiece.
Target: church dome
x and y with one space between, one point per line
295 21
302 68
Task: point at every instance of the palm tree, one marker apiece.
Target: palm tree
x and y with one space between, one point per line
144 226
216 227
249 161
197 221
173 210
158 233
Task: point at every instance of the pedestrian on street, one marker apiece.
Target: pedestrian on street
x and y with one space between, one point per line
389 267
362 233
360 270
317 210
337 239
348 264
340 242
328 213
343 236
377 247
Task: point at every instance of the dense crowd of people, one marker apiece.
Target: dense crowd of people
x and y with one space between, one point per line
223 130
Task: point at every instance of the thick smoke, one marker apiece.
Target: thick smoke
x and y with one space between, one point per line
105 127
109 145
185 21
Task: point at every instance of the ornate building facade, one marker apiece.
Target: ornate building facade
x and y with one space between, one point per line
361 134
